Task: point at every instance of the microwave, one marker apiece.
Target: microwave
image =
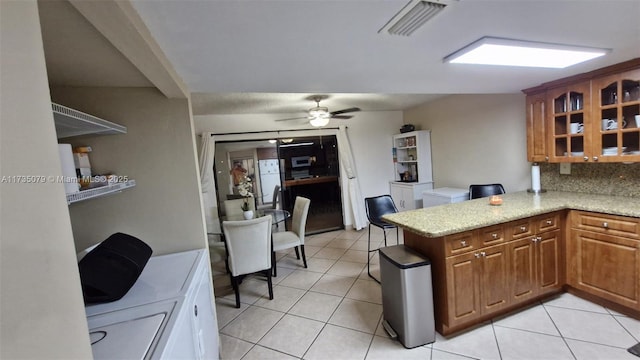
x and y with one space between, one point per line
300 161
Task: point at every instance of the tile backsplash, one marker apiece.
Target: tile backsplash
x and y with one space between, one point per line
604 178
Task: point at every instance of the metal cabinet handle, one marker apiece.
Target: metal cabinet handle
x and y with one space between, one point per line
523 228
586 158
195 310
595 158
463 243
535 239
549 222
476 255
483 254
605 224
546 158
494 235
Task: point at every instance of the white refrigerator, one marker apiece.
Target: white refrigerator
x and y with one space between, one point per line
269 178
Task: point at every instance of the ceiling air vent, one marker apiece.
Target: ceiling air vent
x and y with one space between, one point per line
412 16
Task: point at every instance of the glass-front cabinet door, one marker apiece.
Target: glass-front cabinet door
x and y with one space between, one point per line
568 111
616 115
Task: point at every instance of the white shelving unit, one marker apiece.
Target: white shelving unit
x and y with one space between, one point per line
412 169
99 191
70 122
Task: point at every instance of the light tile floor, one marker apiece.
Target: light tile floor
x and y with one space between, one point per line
333 310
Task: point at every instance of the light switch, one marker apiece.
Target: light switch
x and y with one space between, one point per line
565 168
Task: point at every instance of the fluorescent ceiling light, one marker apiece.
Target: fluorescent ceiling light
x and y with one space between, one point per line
498 51
297 144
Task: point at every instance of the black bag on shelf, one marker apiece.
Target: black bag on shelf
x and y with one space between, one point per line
407 128
109 270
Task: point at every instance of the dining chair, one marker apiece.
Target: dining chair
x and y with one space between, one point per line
249 248
293 238
274 203
376 207
234 207
217 250
484 190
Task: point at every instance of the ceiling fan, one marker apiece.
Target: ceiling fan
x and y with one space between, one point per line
319 116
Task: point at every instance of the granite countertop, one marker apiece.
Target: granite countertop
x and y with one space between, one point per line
454 218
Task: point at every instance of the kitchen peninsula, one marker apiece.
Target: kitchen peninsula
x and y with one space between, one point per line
310 181
488 260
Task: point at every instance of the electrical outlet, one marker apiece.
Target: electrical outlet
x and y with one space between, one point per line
565 168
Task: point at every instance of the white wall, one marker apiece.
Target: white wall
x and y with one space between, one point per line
476 139
158 151
369 133
41 309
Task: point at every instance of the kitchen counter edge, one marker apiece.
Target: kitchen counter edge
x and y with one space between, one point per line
472 214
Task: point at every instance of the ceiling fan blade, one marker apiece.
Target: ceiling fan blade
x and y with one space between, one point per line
341 117
353 109
295 118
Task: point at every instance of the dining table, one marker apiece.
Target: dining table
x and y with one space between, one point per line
277 217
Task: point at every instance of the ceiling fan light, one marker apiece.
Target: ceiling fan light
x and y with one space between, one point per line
319 112
319 121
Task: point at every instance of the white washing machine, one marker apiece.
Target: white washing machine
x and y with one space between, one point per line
133 333
168 313
164 277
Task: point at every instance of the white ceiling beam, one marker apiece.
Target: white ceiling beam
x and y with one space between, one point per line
121 25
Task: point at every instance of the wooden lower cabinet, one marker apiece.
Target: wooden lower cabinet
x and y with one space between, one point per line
476 284
482 273
493 279
606 257
485 272
535 266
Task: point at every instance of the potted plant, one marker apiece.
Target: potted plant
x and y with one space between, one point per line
244 189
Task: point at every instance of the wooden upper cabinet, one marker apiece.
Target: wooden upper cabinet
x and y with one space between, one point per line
591 117
616 115
568 113
537 149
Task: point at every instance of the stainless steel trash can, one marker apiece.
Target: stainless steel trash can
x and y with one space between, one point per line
407 295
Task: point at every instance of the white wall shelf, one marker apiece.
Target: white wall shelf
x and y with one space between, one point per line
70 122
99 191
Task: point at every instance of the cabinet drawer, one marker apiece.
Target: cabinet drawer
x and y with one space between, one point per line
520 228
609 224
491 235
459 243
548 222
